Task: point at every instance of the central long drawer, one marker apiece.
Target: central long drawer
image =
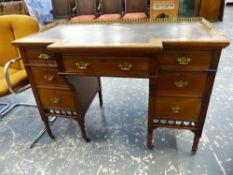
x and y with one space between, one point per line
106 66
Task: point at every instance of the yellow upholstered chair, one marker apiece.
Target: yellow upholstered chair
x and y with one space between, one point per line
13 77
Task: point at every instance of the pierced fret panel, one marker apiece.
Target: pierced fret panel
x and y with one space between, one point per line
60 112
176 123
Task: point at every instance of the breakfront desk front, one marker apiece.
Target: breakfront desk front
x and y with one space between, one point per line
179 57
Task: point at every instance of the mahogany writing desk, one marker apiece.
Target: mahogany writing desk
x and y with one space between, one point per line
179 56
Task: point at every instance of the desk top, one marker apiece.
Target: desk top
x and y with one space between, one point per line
145 33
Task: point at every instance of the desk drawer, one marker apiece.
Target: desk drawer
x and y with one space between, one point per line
47 76
56 99
181 83
40 54
197 60
186 109
109 66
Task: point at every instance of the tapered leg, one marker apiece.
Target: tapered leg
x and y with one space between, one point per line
83 130
48 129
151 110
149 137
100 97
195 143
100 92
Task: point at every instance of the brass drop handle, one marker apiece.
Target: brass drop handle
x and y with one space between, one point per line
44 56
125 66
82 65
181 83
49 77
184 60
176 109
55 99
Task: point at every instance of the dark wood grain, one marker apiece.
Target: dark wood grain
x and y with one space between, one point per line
196 83
152 49
47 76
108 66
190 108
65 96
53 93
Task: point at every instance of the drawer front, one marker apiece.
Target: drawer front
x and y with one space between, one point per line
185 109
39 54
197 60
56 99
181 84
106 66
47 76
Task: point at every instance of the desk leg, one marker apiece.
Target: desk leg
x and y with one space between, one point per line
195 143
81 122
151 105
100 92
48 129
149 137
100 97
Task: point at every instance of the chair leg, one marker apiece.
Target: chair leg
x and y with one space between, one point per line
41 133
7 105
11 107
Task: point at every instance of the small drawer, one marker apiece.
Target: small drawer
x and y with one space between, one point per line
185 109
56 99
40 54
197 60
109 66
47 76
181 83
